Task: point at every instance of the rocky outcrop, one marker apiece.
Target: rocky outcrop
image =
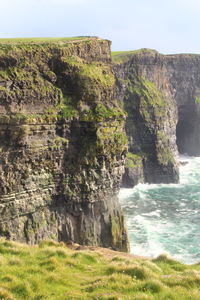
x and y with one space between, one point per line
151 118
62 144
184 83
161 94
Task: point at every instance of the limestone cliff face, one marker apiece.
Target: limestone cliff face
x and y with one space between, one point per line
184 85
147 96
62 144
161 94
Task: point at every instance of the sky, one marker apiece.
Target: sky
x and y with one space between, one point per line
169 26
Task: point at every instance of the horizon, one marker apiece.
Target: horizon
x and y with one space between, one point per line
170 27
98 37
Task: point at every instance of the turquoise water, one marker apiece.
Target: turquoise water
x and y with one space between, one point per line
165 218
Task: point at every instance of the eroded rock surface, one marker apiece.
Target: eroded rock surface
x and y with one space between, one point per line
62 144
161 94
144 89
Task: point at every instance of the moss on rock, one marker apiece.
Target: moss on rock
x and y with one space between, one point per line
62 143
133 160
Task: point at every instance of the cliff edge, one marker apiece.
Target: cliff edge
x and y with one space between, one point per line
62 143
161 94
142 85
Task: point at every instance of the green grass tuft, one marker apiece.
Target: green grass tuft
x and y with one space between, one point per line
41 40
133 160
119 57
52 271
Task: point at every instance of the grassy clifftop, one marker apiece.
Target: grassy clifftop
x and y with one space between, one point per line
59 98
120 57
54 271
41 40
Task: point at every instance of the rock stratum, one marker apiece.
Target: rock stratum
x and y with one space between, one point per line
62 143
63 105
161 95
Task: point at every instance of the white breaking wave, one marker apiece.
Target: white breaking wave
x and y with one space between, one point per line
164 218
189 172
124 193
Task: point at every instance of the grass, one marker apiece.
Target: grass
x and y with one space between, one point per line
40 40
197 100
148 93
90 76
123 56
91 81
149 101
133 160
53 271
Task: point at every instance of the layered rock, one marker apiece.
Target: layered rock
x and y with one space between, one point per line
143 88
184 83
62 144
156 127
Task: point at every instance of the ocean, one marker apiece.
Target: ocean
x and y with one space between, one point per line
165 218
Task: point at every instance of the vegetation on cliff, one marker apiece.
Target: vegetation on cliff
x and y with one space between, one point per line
67 86
41 40
53 271
62 138
143 99
151 103
119 57
133 160
153 111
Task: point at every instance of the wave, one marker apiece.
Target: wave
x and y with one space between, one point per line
164 218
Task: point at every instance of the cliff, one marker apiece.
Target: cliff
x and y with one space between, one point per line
161 94
62 143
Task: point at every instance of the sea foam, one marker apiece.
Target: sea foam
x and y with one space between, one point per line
165 218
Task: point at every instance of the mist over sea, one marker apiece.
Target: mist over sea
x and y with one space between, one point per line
165 218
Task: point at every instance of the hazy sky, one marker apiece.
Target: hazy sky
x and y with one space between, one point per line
170 26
